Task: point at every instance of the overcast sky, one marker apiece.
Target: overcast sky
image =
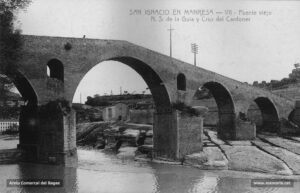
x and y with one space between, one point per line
263 49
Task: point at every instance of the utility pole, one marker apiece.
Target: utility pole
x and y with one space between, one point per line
171 39
195 52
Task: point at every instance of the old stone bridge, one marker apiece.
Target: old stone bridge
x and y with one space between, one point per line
47 134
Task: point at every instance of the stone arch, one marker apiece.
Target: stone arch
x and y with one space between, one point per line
159 92
226 109
291 116
28 112
56 69
164 133
24 87
181 82
269 115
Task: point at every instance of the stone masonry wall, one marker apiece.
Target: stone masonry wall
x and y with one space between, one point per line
177 134
190 133
57 139
70 150
165 135
51 138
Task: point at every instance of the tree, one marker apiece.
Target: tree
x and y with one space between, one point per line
10 42
5 86
10 39
97 101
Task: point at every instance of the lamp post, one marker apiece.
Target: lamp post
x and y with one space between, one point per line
195 52
171 29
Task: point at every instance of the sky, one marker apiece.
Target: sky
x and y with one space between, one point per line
264 48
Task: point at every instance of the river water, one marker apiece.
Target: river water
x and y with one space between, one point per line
100 172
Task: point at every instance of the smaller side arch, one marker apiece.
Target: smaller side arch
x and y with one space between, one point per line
226 109
291 116
181 82
55 69
270 118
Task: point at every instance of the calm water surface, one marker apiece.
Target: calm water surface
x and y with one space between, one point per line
106 173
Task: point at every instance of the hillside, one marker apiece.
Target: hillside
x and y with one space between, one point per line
286 87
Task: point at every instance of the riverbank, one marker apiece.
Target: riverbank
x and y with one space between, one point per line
267 154
107 135
128 154
99 171
257 156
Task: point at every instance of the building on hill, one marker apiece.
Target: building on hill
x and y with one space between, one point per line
86 113
117 112
6 124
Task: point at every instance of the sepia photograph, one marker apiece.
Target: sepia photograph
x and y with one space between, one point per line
140 96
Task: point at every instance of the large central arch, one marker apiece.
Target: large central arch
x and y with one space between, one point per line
164 135
152 79
28 135
226 110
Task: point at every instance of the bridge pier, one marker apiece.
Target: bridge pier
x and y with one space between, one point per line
48 135
226 125
28 133
231 127
245 130
296 115
177 134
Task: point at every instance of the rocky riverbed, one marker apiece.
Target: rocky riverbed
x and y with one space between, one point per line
113 136
267 154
